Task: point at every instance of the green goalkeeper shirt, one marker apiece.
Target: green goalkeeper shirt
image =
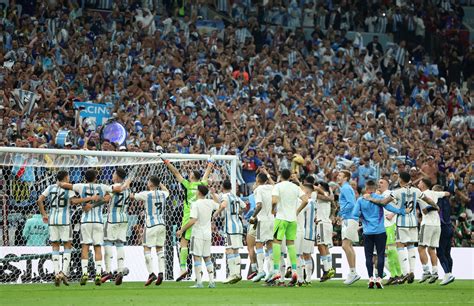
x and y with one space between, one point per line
191 196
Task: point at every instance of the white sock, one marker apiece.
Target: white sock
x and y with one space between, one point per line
84 263
308 266
231 264
299 267
98 267
260 260
238 270
56 262
403 258
426 269
327 263
161 262
66 261
253 267
412 258
270 261
282 265
149 262
120 258
197 271
210 271
353 270
108 255
434 269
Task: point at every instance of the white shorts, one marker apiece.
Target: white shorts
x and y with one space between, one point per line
154 236
200 247
251 231
92 233
60 233
264 231
308 246
115 232
407 234
429 235
233 242
299 242
350 229
324 233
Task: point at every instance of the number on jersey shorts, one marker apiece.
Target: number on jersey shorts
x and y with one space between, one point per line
200 247
324 233
154 236
391 234
92 233
284 229
115 232
407 234
299 241
264 231
350 229
429 235
60 233
233 242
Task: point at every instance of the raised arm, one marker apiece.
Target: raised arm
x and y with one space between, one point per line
210 164
220 209
173 170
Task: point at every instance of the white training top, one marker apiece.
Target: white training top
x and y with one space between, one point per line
263 194
288 195
432 217
386 222
202 210
155 206
300 219
323 210
60 204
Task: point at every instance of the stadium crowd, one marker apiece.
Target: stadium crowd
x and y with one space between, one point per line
275 97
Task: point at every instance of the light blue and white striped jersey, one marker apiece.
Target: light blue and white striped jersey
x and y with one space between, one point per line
60 204
407 197
154 202
309 224
233 223
87 190
118 206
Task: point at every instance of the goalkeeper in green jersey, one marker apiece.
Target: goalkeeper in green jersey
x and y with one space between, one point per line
190 187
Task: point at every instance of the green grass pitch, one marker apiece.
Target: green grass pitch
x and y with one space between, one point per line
172 293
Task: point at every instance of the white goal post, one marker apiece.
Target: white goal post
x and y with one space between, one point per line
26 172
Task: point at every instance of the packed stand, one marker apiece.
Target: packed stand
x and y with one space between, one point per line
269 94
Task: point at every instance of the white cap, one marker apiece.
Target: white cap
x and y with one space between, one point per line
68 143
122 148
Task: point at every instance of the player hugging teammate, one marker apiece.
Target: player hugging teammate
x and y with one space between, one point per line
291 215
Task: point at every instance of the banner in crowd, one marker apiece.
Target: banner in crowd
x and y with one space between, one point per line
25 100
27 264
98 112
207 26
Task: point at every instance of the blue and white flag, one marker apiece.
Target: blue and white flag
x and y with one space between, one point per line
26 100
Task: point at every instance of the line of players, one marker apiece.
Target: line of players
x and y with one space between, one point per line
303 215
96 231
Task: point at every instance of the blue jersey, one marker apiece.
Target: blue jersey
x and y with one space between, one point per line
118 206
233 223
407 197
372 215
87 190
346 201
154 202
309 224
60 204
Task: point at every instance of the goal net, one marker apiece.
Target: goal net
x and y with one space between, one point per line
25 173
